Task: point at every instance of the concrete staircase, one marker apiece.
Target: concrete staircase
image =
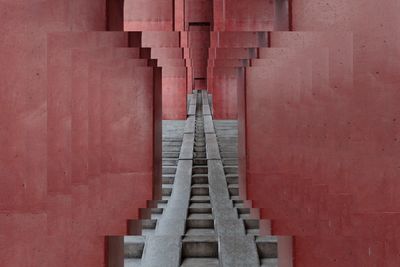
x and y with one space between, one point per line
201 220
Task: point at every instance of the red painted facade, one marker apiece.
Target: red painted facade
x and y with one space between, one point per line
60 128
82 102
325 169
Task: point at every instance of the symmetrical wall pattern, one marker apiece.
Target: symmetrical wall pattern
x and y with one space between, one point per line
84 86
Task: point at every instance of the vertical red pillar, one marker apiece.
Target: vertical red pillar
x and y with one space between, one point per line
167 51
51 169
318 167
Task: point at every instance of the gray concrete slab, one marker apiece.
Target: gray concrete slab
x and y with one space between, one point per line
208 125
206 110
201 185
162 250
204 97
190 124
193 99
173 220
212 147
238 251
192 110
187 147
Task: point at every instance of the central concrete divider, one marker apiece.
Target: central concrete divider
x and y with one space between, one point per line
201 220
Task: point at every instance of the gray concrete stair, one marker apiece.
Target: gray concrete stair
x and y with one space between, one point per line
201 219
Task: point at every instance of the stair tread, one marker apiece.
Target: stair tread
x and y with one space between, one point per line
200 262
200 216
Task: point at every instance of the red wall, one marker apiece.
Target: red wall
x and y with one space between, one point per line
145 15
321 138
250 15
59 184
166 48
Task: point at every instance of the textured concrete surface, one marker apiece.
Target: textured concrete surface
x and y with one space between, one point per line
200 220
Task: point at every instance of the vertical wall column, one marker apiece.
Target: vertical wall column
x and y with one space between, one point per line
162 23
328 133
69 127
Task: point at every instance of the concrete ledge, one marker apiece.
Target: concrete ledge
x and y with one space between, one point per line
174 216
190 125
212 147
238 251
208 124
187 147
193 99
192 110
165 250
206 110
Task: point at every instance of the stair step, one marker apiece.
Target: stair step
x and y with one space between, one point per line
200 191
200 216
200 208
236 198
155 203
233 190
200 223
169 162
198 148
199 154
200 169
200 262
200 199
232 179
199 143
132 262
169 169
200 161
167 189
252 223
133 246
168 178
267 247
170 154
254 232
149 224
147 213
231 169
232 161
204 238
166 197
200 231
199 179
162 205
228 155
200 247
171 148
